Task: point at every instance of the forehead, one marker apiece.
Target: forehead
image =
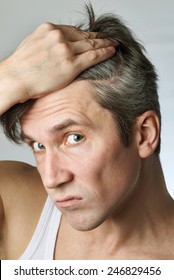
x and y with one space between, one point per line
59 99
75 102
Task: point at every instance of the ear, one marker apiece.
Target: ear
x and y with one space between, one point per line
147 133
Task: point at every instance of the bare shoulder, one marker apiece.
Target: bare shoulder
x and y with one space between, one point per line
22 197
18 175
10 168
20 185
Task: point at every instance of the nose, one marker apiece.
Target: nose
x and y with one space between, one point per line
56 171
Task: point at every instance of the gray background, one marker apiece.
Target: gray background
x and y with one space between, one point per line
151 20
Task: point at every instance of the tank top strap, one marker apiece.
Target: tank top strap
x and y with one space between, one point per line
43 241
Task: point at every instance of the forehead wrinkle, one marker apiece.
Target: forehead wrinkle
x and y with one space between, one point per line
62 104
58 108
77 96
62 125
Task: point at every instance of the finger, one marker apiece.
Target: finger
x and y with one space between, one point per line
89 44
78 35
73 34
93 57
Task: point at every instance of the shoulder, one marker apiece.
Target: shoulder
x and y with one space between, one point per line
20 184
22 197
14 167
17 174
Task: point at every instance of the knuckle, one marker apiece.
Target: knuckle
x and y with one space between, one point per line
72 28
86 35
92 56
92 43
46 26
56 35
65 48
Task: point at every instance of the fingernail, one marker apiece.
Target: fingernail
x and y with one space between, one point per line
111 49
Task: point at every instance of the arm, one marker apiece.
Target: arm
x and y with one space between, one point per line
47 60
20 200
1 212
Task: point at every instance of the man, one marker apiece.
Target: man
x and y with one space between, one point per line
96 143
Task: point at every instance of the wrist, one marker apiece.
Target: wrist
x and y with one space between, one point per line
11 91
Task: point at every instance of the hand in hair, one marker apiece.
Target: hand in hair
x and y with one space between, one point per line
47 60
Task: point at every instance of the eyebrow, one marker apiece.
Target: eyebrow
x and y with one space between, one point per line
63 125
56 128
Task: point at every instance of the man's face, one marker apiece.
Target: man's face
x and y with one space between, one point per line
84 166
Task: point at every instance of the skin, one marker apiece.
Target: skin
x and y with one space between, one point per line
92 167
122 208
118 207
60 50
22 197
65 52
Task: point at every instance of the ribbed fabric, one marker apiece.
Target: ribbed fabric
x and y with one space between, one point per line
42 244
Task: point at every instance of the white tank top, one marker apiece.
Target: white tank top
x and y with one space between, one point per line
42 244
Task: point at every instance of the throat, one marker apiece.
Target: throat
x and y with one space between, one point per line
95 244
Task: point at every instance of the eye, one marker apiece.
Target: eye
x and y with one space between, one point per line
37 146
74 138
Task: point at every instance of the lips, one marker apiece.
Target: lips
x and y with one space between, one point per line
68 201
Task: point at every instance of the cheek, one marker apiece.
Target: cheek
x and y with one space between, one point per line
40 164
122 177
95 171
111 176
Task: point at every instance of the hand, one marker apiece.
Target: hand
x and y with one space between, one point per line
52 57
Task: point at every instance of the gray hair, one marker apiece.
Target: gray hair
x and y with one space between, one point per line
125 84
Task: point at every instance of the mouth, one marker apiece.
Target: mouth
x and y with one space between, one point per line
68 201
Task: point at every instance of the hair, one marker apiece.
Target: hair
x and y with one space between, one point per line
125 84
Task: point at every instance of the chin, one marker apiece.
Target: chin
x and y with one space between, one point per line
83 223
81 227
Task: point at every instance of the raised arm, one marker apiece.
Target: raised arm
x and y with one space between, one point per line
47 60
